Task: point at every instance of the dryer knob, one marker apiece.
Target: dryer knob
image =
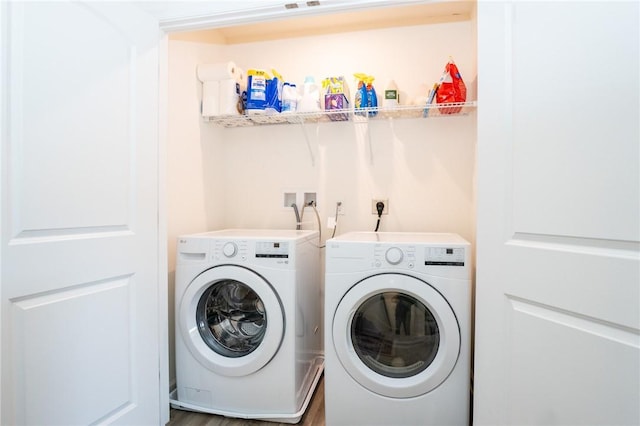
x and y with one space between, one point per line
230 249
394 255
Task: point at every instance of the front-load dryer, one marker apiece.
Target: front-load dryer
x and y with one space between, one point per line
248 323
397 329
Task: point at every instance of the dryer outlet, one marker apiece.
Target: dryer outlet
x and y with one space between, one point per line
375 201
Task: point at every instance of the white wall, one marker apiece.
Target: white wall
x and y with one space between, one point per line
424 167
193 159
222 178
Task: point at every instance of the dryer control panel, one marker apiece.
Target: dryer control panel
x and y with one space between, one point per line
434 254
405 256
401 256
444 256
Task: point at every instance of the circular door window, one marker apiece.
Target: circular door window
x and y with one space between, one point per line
231 320
396 335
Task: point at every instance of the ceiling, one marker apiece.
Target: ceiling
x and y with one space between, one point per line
179 9
232 22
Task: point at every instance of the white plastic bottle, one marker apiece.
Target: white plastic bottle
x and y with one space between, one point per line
289 98
391 96
310 100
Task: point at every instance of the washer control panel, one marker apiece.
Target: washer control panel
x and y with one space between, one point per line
241 250
394 255
270 252
230 249
272 249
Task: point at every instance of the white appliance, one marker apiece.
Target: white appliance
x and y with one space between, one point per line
397 329
248 323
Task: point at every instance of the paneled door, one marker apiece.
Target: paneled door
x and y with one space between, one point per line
558 238
79 289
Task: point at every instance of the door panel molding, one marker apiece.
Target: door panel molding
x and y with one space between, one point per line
615 332
58 235
574 167
74 111
594 246
564 368
75 327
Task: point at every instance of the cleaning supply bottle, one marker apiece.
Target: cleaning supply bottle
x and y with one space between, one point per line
391 96
273 93
372 97
360 101
431 96
256 91
310 100
289 97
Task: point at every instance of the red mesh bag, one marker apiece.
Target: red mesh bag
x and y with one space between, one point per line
451 89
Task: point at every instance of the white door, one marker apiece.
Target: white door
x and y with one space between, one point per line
80 286
558 264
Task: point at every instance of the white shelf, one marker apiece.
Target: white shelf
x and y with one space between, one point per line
413 111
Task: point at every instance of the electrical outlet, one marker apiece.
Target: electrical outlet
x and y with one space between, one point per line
374 209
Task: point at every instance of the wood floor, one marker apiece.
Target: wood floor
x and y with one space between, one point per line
314 416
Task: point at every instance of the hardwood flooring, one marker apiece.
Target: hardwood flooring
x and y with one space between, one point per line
314 416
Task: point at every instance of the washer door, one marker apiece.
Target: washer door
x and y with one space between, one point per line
231 320
396 335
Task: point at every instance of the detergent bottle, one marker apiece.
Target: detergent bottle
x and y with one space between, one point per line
273 93
257 91
310 100
289 97
391 96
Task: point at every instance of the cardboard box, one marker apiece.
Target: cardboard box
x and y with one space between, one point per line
337 101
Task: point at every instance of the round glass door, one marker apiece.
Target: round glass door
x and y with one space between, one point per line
231 320
396 335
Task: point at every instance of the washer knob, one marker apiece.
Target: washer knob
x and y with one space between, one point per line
230 249
394 255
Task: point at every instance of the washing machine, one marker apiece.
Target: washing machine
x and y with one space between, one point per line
248 323
397 329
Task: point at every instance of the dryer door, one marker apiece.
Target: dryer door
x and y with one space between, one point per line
396 335
231 319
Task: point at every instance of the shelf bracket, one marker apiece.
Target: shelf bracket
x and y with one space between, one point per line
370 143
307 139
365 122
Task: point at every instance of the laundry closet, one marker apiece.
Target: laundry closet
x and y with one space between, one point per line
544 153
237 177
106 159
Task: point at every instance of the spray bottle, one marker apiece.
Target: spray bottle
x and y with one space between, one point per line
372 97
360 101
